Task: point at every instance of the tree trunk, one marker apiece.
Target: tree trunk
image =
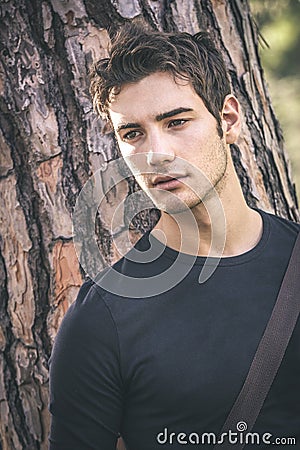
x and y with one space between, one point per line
50 144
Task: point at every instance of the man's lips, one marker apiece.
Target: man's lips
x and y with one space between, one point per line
167 182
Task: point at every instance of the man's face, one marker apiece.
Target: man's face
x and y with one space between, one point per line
169 138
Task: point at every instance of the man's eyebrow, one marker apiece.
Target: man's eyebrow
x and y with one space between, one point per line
158 118
172 113
124 126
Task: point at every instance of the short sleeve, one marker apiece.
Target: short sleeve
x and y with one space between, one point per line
85 379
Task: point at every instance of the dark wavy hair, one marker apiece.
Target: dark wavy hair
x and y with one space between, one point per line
137 52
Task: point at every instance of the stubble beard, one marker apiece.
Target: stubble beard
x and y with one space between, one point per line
193 194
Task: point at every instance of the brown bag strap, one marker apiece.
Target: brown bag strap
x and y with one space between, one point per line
269 353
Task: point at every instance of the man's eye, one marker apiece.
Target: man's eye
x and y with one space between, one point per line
177 122
131 135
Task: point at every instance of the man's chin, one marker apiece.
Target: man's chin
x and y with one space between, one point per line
173 204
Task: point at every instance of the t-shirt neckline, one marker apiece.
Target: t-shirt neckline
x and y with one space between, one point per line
249 255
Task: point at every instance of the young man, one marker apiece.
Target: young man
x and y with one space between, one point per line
163 369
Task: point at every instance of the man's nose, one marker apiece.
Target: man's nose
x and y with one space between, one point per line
160 151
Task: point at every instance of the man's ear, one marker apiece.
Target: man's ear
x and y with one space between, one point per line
231 122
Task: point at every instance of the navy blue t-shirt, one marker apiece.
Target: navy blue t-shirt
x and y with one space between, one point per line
165 370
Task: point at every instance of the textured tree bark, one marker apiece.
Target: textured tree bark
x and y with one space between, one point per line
51 142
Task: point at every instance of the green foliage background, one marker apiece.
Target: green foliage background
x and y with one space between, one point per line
278 22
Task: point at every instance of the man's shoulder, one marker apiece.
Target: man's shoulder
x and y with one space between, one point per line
87 320
281 234
88 303
282 224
